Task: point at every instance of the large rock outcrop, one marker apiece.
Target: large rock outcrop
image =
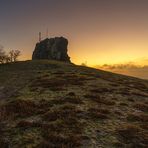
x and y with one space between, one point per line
52 49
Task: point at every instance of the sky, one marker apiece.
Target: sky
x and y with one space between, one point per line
99 31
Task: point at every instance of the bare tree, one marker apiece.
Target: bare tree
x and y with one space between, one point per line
17 53
13 55
7 59
2 55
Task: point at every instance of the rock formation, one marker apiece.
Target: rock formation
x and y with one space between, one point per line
52 49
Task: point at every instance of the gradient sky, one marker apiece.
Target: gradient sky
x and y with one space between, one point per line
99 31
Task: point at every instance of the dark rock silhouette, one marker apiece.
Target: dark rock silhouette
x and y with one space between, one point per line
52 49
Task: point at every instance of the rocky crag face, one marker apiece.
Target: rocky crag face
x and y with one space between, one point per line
52 49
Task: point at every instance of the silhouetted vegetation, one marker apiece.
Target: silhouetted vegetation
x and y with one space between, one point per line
133 135
12 56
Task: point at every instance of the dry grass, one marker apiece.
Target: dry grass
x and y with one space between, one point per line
144 126
141 106
140 86
106 102
57 140
102 90
64 112
23 108
57 84
46 83
64 128
4 144
73 79
100 100
139 94
124 91
25 124
140 117
67 99
96 114
58 73
71 94
123 104
58 114
133 135
131 99
73 100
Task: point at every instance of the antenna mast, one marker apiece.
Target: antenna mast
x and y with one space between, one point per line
40 36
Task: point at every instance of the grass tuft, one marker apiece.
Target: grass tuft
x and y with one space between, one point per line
132 134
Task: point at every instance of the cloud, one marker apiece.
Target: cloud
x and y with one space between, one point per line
127 69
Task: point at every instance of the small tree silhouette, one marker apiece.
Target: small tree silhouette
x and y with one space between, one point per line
13 55
2 55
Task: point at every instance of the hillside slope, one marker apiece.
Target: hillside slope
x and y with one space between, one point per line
54 104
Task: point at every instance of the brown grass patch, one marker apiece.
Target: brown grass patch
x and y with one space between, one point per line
124 91
141 106
134 135
70 99
100 100
73 100
144 126
107 102
71 94
65 130
123 104
52 84
30 124
75 79
57 84
140 86
59 140
139 94
95 113
59 73
63 113
4 144
138 117
101 90
131 99
118 112
90 96
24 123
23 108
114 84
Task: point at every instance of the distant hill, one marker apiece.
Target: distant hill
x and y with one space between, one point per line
55 104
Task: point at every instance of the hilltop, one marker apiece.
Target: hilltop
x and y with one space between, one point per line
56 104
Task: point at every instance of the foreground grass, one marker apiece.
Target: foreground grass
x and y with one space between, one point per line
54 104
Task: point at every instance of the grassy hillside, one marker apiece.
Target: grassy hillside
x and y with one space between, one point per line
52 104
